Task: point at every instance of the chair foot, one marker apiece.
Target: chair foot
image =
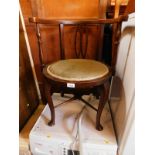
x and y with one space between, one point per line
99 127
51 123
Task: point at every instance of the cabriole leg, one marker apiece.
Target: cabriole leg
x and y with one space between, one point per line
104 92
48 94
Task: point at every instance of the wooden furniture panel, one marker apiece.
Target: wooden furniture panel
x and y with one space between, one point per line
28 98
65 8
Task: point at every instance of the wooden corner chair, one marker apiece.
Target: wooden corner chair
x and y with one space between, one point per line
79 75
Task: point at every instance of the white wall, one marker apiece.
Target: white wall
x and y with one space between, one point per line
123 109
129 148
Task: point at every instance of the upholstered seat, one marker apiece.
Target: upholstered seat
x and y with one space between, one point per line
77 69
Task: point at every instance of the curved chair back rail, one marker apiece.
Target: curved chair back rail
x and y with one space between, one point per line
78 21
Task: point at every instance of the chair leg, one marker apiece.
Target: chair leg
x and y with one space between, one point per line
62 94
48 94
104 92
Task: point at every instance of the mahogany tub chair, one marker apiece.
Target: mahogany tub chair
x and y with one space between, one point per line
79 75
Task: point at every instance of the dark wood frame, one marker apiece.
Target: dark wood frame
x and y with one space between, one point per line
98 86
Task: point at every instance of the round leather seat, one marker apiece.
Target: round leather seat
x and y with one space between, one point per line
77 69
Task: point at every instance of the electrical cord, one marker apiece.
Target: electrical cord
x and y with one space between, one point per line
78 119
79 122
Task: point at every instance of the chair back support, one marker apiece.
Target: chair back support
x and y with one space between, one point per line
81 35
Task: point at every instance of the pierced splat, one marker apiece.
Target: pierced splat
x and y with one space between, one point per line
82 30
